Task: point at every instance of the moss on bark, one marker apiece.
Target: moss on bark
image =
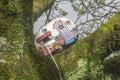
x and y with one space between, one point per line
17 52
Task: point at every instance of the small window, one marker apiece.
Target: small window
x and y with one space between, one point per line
61 27
56 37
46 39
44 30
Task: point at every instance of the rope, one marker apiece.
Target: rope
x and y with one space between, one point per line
54 62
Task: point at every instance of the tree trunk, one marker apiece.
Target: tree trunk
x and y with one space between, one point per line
18 56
